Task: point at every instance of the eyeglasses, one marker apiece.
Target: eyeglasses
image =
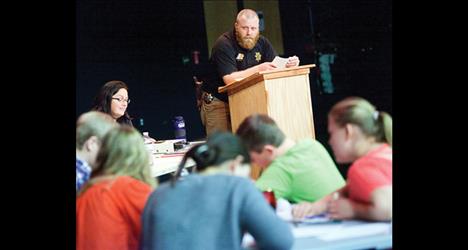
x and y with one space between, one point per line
120 99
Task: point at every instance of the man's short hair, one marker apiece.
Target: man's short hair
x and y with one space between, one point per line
258 130
92 123
247 13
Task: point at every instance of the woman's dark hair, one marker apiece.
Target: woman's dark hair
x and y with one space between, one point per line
219 147
103 100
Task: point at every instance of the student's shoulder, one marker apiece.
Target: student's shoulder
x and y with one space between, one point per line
311 143
131 186
240 182
227 178
128 180
364 167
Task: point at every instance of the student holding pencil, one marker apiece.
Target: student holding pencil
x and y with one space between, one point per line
362 135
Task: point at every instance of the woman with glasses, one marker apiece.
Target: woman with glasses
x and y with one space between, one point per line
113 100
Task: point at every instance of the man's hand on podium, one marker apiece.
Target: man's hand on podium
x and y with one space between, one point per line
266 66
292 61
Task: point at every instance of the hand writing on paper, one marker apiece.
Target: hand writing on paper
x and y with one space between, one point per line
307 209
341 208
304 209
292 61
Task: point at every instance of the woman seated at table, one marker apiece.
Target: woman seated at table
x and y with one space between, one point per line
113 99
212 209
362 135
109 207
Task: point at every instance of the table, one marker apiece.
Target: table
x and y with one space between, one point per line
162 164
343 235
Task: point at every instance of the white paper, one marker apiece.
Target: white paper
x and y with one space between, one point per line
315 230
280 62
341 230
322 218
248 241
354 231
284 209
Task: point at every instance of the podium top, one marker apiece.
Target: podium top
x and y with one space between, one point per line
265 75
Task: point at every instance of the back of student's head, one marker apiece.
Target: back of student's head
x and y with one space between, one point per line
358 111
92 123
219 148
258 130
123 153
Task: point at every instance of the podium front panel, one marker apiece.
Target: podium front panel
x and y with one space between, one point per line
289 104
246 102
283 94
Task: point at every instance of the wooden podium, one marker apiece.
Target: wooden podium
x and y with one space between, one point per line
282 94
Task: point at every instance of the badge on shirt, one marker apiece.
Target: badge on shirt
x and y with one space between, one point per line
240 57
258 56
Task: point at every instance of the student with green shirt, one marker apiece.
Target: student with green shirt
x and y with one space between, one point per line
295 171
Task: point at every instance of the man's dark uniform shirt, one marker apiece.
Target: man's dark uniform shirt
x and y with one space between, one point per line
227 57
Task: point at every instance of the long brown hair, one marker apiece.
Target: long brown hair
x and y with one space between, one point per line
103 100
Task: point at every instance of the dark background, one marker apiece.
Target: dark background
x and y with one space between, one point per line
144 43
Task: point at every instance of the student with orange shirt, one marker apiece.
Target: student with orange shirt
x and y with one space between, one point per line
362 135
109 208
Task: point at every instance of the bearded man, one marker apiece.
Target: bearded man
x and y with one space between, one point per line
235 55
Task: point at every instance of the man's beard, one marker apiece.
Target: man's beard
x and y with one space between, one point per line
247 43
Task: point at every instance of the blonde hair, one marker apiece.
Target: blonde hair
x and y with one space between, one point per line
92 123
123 153
360 112
247 13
